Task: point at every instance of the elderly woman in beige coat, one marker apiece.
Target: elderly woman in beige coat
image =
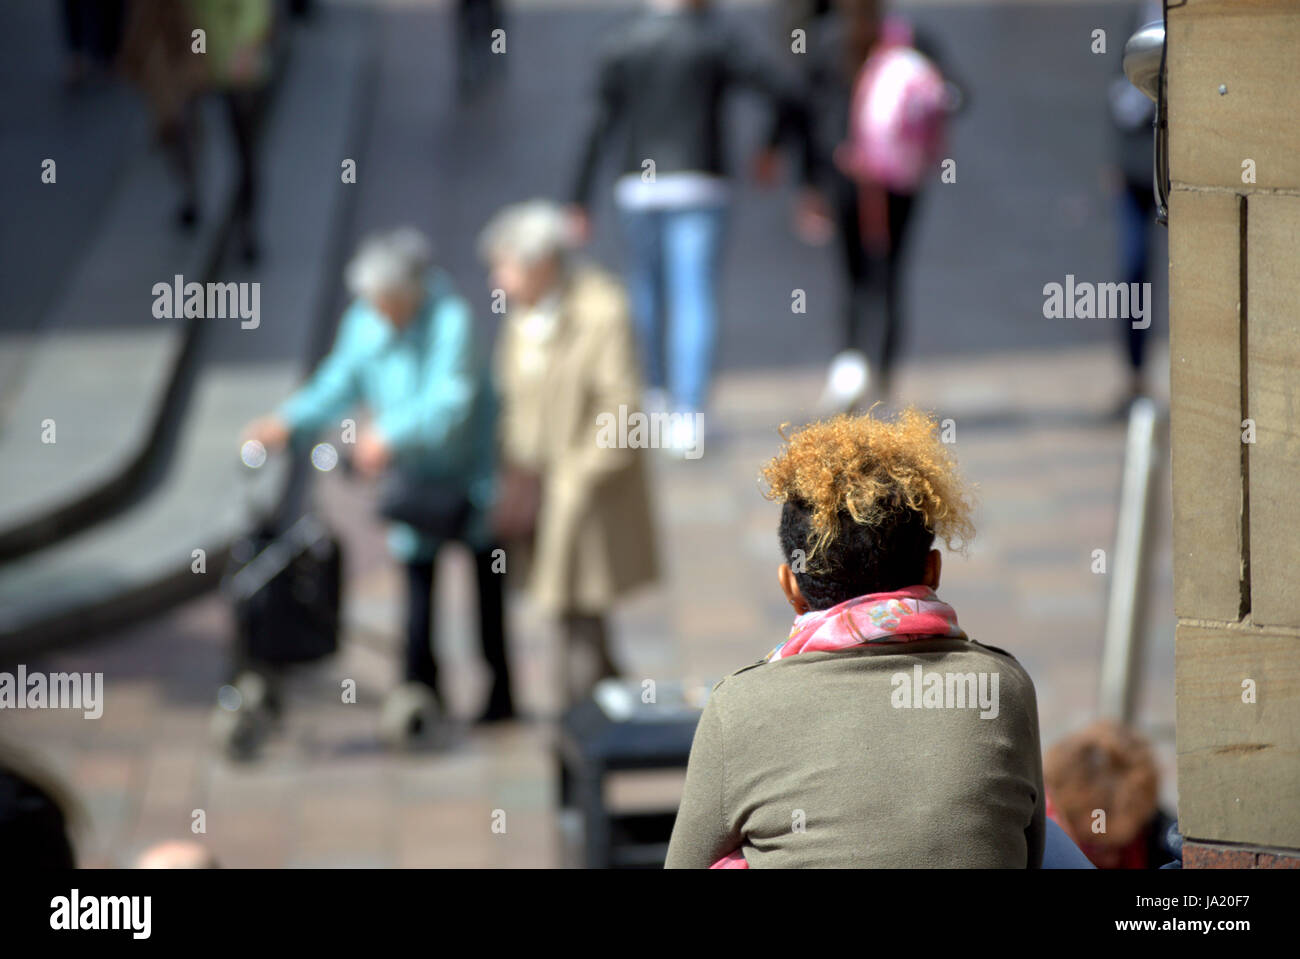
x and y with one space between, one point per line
575 506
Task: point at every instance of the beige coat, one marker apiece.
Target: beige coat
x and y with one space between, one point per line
595 535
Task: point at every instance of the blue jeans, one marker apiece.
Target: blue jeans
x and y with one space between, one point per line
672 270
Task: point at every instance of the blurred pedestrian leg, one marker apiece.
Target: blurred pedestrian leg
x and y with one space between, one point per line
180 140
92 30
243 107
692 246
476 64
1137 210
873 307
585 658
421 631
644 237
492 635
421 667
673 257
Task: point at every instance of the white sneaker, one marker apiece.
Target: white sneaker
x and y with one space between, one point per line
847 383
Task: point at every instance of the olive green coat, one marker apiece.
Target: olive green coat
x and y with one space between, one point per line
817 761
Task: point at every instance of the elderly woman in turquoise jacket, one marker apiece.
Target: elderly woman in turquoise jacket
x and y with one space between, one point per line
405 351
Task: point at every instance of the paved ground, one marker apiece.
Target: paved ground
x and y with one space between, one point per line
1026 394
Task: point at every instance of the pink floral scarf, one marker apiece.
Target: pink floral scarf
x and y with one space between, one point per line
908 614
903 616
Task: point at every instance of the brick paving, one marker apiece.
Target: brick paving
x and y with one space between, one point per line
1030 432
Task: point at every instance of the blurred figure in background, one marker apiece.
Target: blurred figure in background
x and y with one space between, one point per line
476 64
576 508
661 86
1132 182
36 814
92 30
405 349
1108 769
159 54
879 100
156 58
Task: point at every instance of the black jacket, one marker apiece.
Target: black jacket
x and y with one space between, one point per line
661 88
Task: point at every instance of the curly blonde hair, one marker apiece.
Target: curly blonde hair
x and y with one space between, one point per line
868 471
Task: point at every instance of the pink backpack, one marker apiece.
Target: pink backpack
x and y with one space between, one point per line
898 116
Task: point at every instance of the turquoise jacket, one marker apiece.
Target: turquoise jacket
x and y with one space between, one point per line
427 391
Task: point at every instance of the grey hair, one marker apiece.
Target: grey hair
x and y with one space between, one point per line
529 232
390 262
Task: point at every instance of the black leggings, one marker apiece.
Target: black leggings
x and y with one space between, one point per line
243 111
421 664
93 28
1137 214
243 107
475 21
873 282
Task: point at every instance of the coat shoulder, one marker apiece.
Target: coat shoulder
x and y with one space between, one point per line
736 678
1017 669
597 299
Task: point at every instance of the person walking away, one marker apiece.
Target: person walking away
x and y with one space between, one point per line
160 56
156 57
1132 115
880 100
662 85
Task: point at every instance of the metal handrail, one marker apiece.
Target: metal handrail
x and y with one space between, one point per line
1121 654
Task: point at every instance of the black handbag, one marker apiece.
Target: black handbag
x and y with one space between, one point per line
437 508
